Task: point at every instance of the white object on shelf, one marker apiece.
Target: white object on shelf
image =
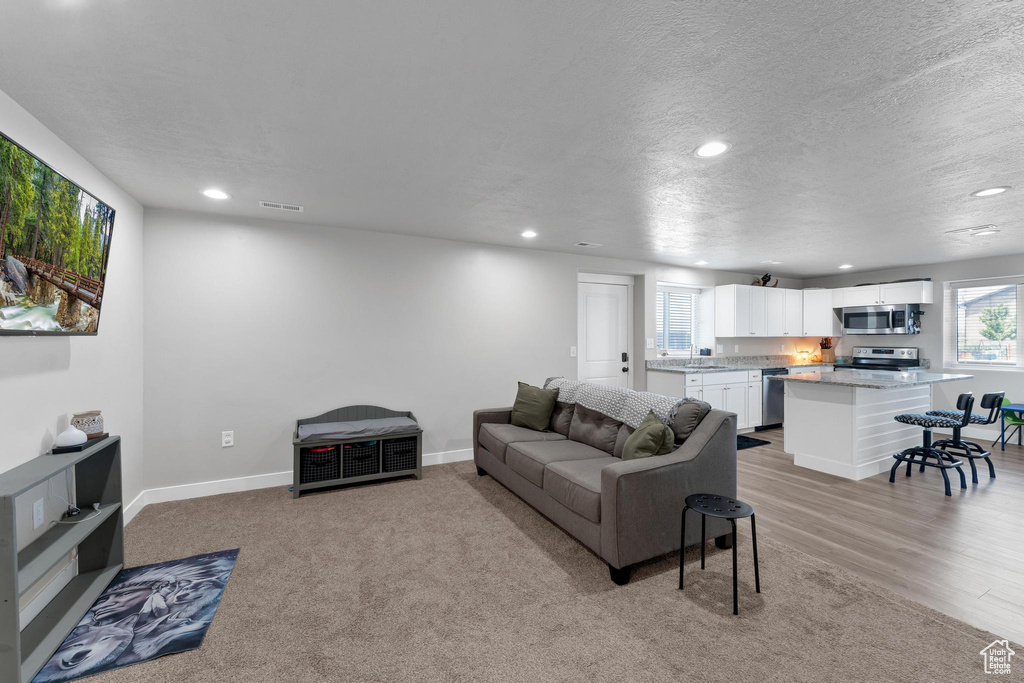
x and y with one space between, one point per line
72 436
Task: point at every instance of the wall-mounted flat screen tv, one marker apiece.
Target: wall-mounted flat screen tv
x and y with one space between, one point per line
54 245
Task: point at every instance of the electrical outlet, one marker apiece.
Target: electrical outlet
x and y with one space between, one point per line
572 352
782 347
38 513
719 349
735 348
650 342
227 439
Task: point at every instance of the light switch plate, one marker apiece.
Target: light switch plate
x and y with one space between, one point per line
650 342
735 348
227 439
38 513
719 349
572 352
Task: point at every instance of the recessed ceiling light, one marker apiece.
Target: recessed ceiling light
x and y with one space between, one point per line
711 149
701 263
845 266
988 192
214 193
985 231
772 263
529 234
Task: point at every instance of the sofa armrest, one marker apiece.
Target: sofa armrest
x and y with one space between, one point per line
641 500
499 415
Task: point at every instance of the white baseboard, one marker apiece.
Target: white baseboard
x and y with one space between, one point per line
445 457
259 481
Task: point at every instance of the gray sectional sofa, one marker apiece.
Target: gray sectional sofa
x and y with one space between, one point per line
625 511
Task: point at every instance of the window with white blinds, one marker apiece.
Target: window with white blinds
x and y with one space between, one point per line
677 317
988 322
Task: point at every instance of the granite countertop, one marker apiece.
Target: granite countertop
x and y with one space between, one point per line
868 379
732 367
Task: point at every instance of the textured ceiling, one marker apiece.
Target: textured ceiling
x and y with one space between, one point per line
857 128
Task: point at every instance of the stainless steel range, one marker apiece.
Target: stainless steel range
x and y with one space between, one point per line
899 359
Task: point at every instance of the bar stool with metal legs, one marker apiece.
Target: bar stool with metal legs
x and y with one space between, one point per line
971 449
943 460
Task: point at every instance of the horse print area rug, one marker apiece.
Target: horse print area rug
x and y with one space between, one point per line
145 613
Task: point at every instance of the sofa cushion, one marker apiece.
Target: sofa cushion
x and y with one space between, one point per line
561 417
576 484
528 459
687 416
652 437
533 407
496 437
594 429
620 440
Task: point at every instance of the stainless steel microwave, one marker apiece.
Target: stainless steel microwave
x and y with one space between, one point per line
901 319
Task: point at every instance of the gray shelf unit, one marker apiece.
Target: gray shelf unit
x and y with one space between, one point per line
348 414
100 542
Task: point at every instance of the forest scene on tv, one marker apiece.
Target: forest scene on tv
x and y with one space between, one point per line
54 243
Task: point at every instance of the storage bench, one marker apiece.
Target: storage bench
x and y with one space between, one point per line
355 444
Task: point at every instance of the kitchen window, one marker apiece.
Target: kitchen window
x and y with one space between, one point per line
988 322
677 315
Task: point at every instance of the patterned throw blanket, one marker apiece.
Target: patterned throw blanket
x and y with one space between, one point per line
625 405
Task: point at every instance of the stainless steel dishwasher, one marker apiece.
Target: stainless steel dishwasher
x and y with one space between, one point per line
773 399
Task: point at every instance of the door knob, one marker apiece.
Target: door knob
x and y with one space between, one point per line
625 369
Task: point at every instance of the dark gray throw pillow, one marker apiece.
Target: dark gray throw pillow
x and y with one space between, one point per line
533 407
689 413
594 429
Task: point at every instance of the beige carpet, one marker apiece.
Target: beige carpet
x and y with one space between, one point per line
454 578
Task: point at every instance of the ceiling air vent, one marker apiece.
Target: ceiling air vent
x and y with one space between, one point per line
279 206
588 245
975 230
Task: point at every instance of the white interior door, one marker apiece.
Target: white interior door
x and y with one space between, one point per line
603 319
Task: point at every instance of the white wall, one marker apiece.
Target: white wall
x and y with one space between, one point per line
44 380
251 325
934 331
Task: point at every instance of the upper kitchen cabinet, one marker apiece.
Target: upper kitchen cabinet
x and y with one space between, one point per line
916 292
784 312
740 311
819 317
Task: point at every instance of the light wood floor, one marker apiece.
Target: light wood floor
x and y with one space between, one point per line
963 556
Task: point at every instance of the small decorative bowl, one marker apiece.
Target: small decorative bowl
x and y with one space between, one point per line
90 422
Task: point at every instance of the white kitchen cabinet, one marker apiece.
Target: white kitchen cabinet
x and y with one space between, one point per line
736 402
776 312
754 405
736 391
784 312
819 317
917 292
869 295
715 395
667 383
740 311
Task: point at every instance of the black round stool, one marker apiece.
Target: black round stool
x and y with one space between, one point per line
723 507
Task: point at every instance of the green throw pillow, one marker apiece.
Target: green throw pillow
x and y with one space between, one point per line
533 407
652 437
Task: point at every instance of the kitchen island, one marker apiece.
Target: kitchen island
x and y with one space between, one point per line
842 422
